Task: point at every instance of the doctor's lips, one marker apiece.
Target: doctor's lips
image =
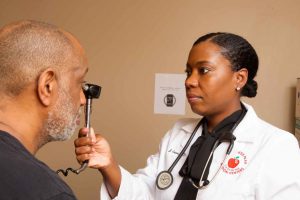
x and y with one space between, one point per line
193 98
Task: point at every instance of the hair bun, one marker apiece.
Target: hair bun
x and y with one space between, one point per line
250 89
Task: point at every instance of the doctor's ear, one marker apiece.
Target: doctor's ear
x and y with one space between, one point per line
47 86
241 77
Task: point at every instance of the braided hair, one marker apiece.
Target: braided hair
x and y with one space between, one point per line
239 53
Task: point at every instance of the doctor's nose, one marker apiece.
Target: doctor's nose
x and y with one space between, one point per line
192 81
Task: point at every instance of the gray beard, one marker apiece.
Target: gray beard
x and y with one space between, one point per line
61 122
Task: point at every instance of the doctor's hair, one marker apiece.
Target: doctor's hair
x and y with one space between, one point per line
240 53
27 48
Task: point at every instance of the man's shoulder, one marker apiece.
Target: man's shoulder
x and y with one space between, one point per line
22 175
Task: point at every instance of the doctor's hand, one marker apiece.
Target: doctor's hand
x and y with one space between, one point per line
96 150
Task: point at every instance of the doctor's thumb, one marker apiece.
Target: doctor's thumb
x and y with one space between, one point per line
91 135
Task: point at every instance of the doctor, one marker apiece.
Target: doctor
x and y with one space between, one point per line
229 154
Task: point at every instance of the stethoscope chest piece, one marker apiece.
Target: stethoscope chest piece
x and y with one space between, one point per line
164 180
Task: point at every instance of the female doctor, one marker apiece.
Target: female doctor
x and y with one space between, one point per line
229 154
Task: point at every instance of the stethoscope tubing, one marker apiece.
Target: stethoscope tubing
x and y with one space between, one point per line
210 155
185 147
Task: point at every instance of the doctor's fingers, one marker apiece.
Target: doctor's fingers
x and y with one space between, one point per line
83 141
83 150
83 132
83 157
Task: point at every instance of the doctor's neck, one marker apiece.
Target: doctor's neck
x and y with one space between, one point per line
214 119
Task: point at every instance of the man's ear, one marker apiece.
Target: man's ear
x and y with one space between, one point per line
47 87
241 78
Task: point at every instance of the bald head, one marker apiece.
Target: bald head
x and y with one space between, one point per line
27 48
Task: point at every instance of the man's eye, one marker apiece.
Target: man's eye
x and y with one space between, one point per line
83 83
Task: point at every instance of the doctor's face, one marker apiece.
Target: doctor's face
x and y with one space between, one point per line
210 83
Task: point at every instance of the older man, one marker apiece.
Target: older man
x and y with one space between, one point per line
42 69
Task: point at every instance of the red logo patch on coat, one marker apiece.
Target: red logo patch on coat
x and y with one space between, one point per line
235 164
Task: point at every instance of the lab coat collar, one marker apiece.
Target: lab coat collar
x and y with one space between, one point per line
244 132
189 128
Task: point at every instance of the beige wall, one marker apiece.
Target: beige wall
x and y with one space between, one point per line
128 41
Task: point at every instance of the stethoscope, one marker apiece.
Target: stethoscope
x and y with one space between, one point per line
165 178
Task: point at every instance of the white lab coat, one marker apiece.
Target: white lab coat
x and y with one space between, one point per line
268 166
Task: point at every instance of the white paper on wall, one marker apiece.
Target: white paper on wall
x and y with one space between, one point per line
169 97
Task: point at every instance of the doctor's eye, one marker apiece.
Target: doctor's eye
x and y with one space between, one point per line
203 70
188 72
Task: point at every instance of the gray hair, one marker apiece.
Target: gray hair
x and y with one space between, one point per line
26 49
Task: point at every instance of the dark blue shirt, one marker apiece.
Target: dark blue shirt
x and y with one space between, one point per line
22 176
